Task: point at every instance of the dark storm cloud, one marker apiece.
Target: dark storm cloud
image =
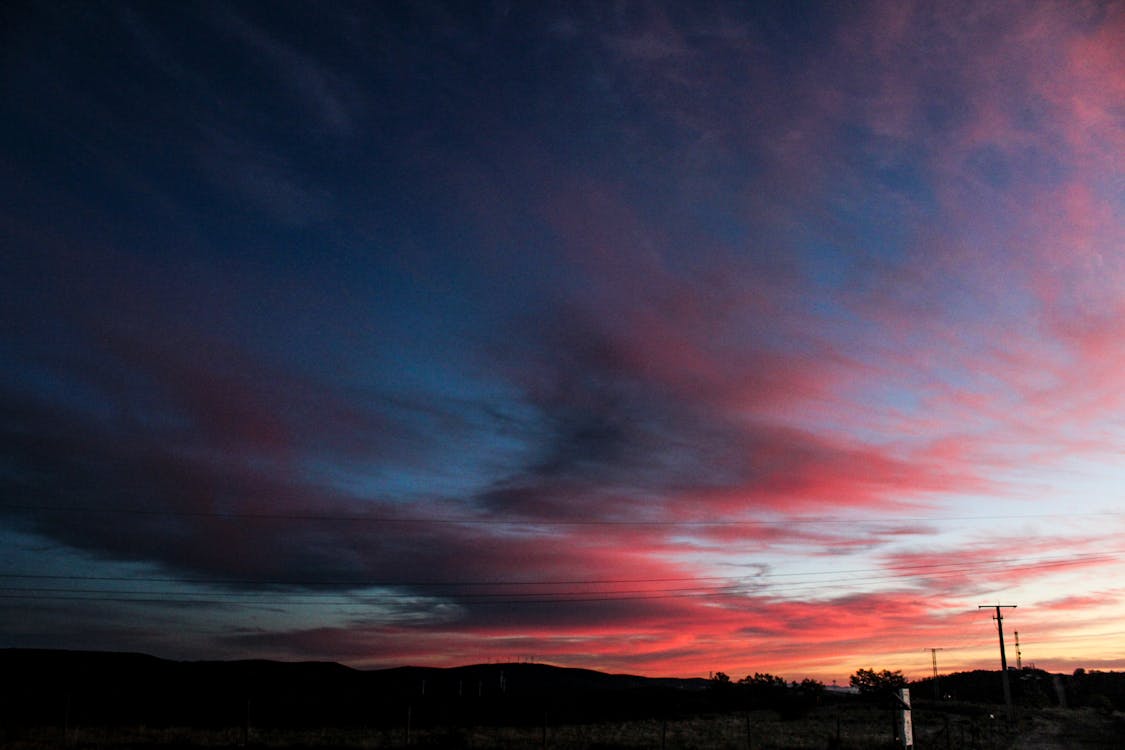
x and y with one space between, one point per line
162 446
626 404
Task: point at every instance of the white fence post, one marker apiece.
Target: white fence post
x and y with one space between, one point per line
905 724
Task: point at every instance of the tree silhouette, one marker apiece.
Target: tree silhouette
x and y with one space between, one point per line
870 682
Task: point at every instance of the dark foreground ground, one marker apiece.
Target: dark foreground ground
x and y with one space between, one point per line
107 701
844 727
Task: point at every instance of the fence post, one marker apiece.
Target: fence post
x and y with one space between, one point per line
905 723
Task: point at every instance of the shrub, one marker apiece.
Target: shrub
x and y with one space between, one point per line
885 682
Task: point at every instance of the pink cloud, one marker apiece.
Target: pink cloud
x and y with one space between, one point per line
743 637
690 353
975 569
1070 604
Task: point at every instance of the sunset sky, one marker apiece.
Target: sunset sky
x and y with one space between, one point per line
752 337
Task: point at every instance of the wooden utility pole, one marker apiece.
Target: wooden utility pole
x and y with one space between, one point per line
933 655
1003 659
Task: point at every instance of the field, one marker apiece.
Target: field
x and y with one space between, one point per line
840 726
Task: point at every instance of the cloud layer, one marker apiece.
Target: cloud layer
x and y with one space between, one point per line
639 338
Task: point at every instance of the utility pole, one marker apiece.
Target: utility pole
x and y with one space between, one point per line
933 655
1019 655
1003 659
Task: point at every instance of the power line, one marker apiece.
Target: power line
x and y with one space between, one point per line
515 595
476 520
188 598
813 578
733 588
359 582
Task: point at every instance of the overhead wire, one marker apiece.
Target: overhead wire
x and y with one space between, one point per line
763 584
497 521
891 571
351 592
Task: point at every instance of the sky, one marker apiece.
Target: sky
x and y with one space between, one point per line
741 337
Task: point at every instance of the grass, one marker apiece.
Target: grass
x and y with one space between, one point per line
844 727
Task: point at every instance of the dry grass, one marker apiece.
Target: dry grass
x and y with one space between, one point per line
716 732
843 727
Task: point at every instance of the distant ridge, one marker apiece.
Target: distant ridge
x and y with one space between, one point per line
537 676
32 663
99 687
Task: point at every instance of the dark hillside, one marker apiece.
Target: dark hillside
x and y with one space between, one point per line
1031 688
92 689
95 688
99 688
